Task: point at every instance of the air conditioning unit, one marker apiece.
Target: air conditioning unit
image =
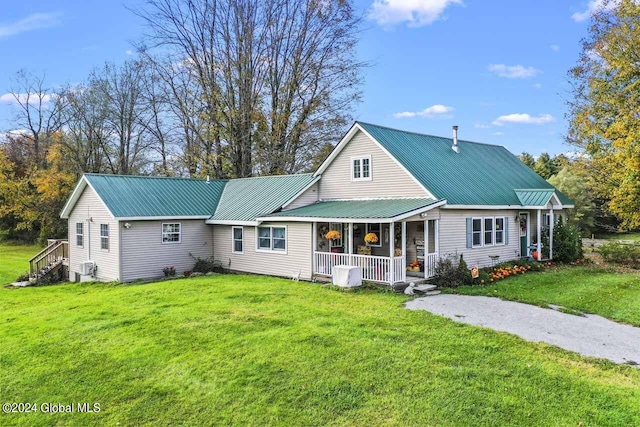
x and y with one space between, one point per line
87 268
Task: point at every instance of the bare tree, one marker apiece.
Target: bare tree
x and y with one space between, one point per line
39 110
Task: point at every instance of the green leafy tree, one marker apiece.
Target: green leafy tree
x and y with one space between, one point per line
603 114
545 166
573 185
528 160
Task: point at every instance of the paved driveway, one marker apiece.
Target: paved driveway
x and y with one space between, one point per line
589 335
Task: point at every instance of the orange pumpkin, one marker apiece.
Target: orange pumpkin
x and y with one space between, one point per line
535 254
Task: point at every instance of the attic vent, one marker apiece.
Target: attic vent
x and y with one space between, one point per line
455 147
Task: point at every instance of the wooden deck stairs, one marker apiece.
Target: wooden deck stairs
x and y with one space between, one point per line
52 260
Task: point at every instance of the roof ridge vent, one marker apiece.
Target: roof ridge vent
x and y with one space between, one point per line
455 146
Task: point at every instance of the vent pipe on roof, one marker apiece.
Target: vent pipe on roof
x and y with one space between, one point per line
455 147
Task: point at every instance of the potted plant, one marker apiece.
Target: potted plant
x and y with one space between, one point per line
371 238
333 235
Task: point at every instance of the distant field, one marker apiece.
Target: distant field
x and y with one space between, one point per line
14 260
620 236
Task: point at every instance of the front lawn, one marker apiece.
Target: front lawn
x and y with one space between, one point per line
620 236
587 289
247 350
14 260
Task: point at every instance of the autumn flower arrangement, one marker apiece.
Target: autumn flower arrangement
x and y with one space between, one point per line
333 235
371 238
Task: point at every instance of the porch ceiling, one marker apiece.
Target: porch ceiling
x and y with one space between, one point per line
381 210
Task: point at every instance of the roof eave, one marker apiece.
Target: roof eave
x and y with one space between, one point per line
232 222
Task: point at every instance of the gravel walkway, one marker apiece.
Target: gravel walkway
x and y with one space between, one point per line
590 335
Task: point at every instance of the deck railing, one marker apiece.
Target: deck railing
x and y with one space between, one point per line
430 261
53 254
374 268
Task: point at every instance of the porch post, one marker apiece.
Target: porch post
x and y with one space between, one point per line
350 243
539 227
404 250
425 242
551 233
314 243
391 251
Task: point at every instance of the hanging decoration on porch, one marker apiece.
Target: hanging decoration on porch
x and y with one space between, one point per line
333 235
371 238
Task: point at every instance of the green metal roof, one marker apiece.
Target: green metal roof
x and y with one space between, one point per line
480 174
358 209
534 197
141 196
245 199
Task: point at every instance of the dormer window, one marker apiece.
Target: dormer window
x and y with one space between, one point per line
361 168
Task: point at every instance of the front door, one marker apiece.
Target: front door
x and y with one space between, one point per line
523 220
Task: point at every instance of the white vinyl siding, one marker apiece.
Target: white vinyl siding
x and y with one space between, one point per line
389 180
237 240
79 234
91 212
144 255
171 232
453 238
297 258
309 197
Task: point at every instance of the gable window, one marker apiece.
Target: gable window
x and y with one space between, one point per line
477 232
499 231
375 229
79 234
237 240
272 239
171 232
361 168
104 236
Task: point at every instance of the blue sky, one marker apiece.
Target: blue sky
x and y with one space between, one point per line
498 68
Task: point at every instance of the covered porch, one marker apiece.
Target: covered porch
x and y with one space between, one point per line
388 239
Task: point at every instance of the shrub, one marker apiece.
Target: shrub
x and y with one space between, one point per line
567 242
618 253
169 271
207 265
448 275
464 273
187 273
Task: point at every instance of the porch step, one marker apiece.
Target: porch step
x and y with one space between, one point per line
424 288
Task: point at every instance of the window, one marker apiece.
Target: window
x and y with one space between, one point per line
79 234
171 233
477 232
361 168
104 236
272 239
375 229
546 220
500 231
488 231
238 245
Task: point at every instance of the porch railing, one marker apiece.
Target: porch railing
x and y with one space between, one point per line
430 262
55 253
374 268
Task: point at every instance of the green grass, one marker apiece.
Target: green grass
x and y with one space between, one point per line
14 260
247 350
586 289
620 236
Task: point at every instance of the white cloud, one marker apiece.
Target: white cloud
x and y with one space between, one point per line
592 7
554 47
437 110
523 119
481 126
415 13
9 98
128 52
537 85
35 21
498 133
513 71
